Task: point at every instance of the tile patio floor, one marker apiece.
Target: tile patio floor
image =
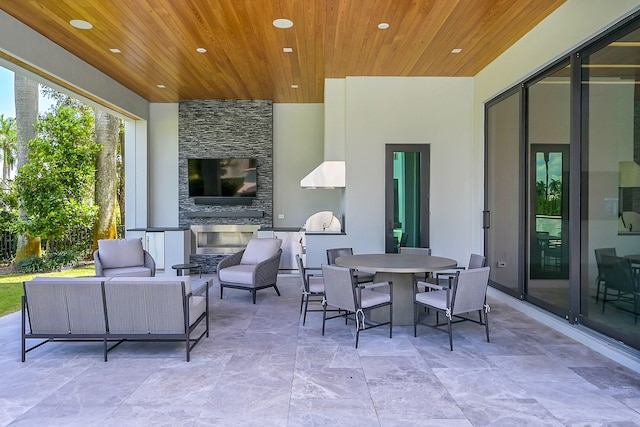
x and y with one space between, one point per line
261 367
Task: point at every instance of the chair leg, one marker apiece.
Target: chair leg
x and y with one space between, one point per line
450 333
415 319
486 323
306 307
253 294
357 334
221 288
301 302
597 289
276 288
324 317
390 321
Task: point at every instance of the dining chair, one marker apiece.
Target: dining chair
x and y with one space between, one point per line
361 276
312 286
467 293
343 292
599 253
442 276
619 278
405 250
415 251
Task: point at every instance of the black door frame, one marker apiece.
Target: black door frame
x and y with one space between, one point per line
425 167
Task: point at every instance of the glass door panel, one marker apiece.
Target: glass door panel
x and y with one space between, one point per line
610 235
407 196
503 220
548 133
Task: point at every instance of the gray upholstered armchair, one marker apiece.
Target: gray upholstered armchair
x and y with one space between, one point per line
255 267
123 258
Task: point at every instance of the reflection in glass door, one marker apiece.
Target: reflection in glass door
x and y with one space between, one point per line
548 134
548 225
407 196
610 271
549 193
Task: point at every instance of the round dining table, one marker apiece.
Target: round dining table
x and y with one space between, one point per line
401 269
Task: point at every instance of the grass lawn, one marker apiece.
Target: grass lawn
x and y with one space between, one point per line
11 286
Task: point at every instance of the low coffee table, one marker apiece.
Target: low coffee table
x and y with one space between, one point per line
180 268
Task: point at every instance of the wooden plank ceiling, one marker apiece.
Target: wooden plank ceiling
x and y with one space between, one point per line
245 59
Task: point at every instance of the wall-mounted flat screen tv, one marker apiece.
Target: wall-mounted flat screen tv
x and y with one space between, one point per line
222 177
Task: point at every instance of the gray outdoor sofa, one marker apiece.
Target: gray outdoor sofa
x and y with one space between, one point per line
114 310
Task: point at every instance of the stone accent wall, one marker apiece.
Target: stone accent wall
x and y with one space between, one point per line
226 129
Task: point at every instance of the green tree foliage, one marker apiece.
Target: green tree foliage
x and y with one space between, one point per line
8 146
549 200
54 186
8 208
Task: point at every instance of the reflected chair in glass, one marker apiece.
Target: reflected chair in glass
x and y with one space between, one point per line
312 286
600 252
467 293
361 276
344 293
620 282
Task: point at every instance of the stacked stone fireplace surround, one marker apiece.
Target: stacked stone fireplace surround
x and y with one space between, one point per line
225 129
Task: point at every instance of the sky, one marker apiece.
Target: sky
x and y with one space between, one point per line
7 105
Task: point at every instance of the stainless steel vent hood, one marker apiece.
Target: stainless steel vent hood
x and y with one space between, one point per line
330 174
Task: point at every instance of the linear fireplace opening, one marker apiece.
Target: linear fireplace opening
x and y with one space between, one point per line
220 239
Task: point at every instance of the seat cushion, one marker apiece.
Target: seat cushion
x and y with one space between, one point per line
316 285
372 298
241 274
259 250
437 299
117 253
127 272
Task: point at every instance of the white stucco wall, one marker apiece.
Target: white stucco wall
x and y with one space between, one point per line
421 110
163 165
298 147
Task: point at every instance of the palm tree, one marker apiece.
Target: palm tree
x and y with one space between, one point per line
8 145
107 135
26 100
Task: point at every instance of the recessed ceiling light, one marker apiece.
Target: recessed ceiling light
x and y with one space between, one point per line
294 86
287 49
201 50
80 24
161 86
114 50
283 23
383 25
456 50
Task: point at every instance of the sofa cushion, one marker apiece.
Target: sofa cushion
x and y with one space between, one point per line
127 272
240 274
259 250
157 279
116 253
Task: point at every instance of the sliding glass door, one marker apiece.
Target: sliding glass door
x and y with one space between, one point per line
548 121
562 187
610 279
